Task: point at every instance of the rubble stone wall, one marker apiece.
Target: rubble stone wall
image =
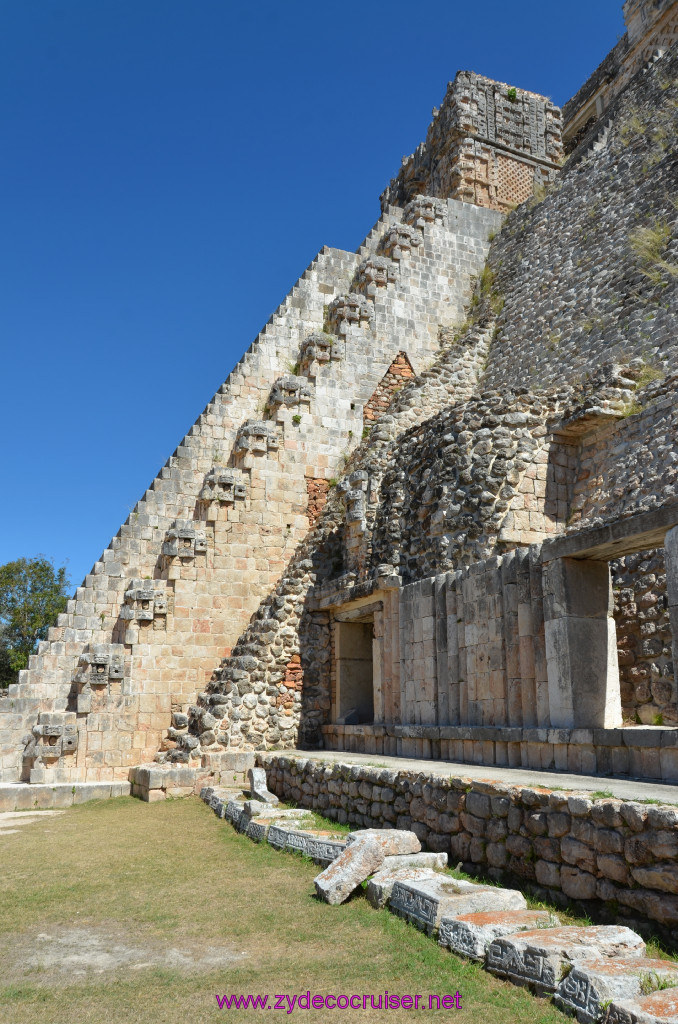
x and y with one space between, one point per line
615 857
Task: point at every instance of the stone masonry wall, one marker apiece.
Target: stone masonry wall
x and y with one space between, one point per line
644 639
219 526
652 27
616 858
488 144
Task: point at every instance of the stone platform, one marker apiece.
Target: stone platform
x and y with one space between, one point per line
21 796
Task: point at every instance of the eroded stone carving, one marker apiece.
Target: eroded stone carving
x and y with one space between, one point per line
353 309
424 210
256 437
54 735
224 486
318 348
185 540
399 241
145 600
355 489
374 273
290 391
99 665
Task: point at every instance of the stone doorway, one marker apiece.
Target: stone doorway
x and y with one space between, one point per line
355 676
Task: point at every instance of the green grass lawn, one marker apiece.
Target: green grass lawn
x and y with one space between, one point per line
119 911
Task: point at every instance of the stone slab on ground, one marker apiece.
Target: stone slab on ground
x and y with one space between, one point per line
541 957
471 934
425 903
436 861
356 863
380 886
393 841
21 796
591 984
657 1008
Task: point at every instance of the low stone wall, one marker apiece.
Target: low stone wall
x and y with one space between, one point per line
619 859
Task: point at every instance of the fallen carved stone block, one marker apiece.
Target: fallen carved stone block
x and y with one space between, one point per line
380 886
392 841
591 984
426 903
357 862
541 958
471 934
657 1008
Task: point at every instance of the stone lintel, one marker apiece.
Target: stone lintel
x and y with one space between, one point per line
638 532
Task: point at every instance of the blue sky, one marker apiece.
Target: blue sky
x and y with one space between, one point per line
168 169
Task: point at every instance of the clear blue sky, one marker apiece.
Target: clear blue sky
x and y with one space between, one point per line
168 169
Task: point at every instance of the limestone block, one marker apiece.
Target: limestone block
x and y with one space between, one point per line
391 841
542 957
471 934
426 903
323 848
380 886
657 1008
259 786
356 863
591 984
235 809
436 861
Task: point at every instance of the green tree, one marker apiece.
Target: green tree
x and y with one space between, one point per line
32 594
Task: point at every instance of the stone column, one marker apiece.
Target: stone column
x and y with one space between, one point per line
581 644
671 560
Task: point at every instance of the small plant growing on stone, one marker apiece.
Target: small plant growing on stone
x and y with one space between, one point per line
512 95
648 245
296 419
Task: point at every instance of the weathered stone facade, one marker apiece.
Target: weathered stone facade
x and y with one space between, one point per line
391 527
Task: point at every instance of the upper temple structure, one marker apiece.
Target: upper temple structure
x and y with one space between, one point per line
433 511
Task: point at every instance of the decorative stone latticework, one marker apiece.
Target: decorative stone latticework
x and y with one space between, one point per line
488 144
353 310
